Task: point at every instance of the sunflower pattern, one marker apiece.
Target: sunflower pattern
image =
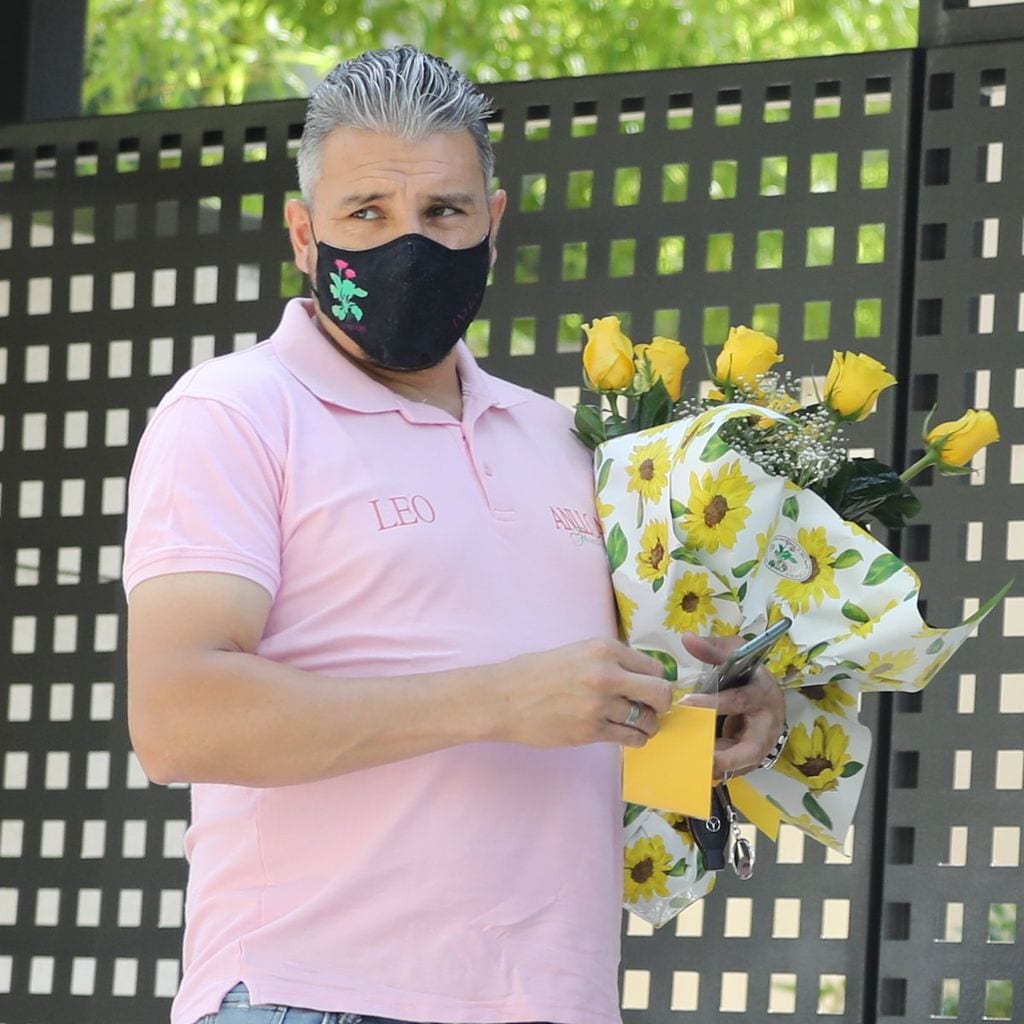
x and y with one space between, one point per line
700 538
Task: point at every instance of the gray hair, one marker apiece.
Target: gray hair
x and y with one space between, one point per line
400 91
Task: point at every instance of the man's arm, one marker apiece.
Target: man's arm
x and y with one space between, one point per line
204 707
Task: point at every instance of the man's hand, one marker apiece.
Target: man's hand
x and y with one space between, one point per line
755 712
580 693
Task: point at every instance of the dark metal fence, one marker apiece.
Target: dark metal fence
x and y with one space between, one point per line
872 202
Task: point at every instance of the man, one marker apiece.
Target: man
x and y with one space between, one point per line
356 628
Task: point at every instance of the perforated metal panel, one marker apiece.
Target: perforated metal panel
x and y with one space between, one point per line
950 941
132 247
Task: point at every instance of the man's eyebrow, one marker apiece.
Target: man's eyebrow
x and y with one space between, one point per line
452 199
363 198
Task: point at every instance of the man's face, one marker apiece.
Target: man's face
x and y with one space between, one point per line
374 188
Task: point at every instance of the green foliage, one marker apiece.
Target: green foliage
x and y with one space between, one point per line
205 52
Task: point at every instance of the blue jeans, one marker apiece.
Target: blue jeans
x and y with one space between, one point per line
236 1009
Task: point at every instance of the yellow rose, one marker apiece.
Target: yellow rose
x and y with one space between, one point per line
744 355
957 442
854 383
668 359
608 354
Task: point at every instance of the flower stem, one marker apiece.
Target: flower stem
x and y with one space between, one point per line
929 458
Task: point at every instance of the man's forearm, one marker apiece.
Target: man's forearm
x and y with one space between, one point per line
236 718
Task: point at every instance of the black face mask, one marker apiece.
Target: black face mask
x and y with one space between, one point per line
405 303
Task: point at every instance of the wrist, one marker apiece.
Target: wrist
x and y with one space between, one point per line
768 761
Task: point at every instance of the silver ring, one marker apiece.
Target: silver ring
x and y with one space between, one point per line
634 714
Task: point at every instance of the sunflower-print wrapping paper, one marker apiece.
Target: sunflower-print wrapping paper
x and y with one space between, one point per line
701 539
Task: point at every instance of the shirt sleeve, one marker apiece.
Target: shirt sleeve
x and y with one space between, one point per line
204 496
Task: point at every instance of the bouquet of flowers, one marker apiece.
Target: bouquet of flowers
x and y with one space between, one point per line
721 515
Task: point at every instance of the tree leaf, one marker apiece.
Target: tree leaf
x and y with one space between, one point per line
678 869
816 811
935 646
850 769
715 448
741 592
684 554
658 584
618 547
677 508
881 569
602 476
851 556
855 613
669 663
817 649
791 508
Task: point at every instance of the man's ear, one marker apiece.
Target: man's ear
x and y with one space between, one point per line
496 205
300 232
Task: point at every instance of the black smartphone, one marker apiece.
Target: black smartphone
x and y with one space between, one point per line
736 669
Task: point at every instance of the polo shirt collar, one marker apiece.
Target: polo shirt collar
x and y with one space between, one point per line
311 358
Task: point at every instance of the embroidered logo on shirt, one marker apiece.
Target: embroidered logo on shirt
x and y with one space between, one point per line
583 527
402 510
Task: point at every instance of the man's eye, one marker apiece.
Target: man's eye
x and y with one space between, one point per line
442 211
366 214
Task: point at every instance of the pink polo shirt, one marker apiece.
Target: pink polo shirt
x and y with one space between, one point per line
476 884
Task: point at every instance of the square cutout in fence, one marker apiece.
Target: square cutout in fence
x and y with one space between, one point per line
716 325
533 190
574 261
580 191
626 189
631 115
622 257
766 318
538 123
1002 922
936 166
680 111
824 172
773 175
675 182
719 252
817 320
671 254
570 332
728 107
821 246
827 100
769 253
941 90
523 340
874 168
724 176
527 266
478 337
998 999
871 243
867 318
685 990
777 104
878 96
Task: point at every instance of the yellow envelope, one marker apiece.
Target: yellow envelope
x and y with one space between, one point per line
673 771
755 807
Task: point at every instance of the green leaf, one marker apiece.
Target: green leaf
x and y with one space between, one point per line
881 569
618 547
666 659
658 584
602 476
639 511
862 489
589 424
677 508
850 769
791 508
855 613
846 663
817 649
743 568
816 811
716 447
654 407
632 812
851 556
935 646
684 554
741 592
678 869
